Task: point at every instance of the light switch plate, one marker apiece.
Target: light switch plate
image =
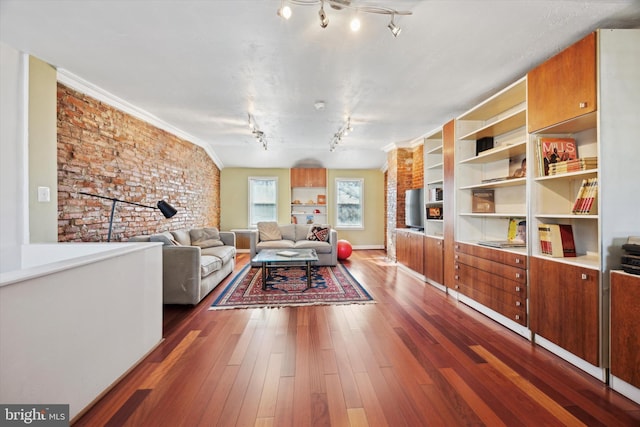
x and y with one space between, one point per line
44 194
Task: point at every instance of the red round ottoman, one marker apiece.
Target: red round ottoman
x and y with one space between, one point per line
344 249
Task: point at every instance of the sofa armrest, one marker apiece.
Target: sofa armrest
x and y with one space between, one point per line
181 274
228 238
254 235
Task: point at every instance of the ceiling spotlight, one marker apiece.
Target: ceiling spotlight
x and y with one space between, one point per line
324 21
355 24
284 11
395 30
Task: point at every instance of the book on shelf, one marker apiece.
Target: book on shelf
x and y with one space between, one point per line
516 235
435 194
556 240
482 201
575 165
553 150
517 167
585 201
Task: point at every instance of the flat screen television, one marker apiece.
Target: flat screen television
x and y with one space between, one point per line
414 208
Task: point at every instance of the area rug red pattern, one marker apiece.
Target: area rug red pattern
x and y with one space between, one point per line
329 285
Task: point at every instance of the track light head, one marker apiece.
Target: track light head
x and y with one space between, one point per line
395 30
355 24
284 12
324 21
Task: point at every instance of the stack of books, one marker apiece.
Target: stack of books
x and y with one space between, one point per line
585 200
556 240
574 165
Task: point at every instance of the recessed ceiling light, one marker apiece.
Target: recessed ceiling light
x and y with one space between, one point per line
319 105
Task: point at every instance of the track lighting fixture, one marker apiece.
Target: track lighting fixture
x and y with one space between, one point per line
342 132
324 21
259 135
355 24
285 12
395 30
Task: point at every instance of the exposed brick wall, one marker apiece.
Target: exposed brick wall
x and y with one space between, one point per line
417 173
405 181
102 150
391 203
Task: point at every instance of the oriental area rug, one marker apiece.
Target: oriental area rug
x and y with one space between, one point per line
329 285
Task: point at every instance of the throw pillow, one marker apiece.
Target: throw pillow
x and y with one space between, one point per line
318 233
166 238
269 231
205 237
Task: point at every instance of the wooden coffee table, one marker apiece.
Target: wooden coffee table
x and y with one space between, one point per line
270 258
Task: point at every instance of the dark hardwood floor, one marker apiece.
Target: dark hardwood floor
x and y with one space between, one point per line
416 358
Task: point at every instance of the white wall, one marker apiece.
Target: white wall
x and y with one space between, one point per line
13 148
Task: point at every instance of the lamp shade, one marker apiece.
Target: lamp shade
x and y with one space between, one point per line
167 210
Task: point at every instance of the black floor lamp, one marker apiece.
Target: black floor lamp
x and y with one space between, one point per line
167 210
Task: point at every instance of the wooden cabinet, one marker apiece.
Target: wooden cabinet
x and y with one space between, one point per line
563 87
410 249
433 259
494 278
625 329
565 306
308 177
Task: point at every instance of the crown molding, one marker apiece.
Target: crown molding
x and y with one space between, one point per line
88 88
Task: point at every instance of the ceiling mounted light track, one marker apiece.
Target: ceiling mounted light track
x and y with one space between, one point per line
342 132
255 130
285 12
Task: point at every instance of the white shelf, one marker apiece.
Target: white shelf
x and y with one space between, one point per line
498 153
494 215
497 184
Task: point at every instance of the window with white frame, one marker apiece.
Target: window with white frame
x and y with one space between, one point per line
263 200
349 203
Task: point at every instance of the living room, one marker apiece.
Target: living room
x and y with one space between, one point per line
73 137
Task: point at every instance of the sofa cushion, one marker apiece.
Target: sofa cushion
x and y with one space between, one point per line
288 231
224 253
205 237
142 238
320 247
165 237
275 244
301 231
209 264
269 230
182 237
318 233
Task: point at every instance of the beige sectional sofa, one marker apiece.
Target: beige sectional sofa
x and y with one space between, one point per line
322 238
195 261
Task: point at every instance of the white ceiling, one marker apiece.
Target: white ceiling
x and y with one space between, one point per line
202 65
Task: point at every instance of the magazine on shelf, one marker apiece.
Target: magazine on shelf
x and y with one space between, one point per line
516 235
553 150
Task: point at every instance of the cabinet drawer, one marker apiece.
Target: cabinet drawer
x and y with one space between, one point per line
503 257
469 276
492 267
514 310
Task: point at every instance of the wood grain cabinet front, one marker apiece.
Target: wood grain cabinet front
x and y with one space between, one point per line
494 278
564 306
625 329
563 87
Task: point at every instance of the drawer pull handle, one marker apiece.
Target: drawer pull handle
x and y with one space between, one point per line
584 276
583 105
456 266
457 286
456 277
517 275
517 260
518 303
457 247
456 256
517 288
517 317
